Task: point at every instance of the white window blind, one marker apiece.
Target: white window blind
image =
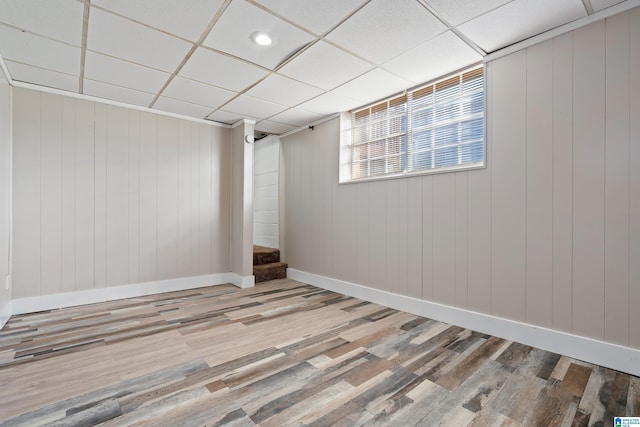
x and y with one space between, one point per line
433 128
380 138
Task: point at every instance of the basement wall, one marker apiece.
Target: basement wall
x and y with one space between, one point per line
5 197
266 172
107 196
548 234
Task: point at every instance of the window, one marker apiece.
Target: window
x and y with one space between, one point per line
433 128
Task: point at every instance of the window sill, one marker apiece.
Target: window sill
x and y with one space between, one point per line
414 174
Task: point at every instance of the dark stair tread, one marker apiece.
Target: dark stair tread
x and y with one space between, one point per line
271 271
264 255
270 265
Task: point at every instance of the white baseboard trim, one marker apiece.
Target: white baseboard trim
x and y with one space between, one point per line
244 282
5 314
612 356
70 299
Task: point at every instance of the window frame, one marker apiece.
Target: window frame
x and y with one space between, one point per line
346 128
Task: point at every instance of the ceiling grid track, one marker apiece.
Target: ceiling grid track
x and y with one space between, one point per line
453 29
297 53
328 56
588 7
83 48
203 36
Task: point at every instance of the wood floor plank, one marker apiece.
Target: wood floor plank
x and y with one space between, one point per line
286 353
633 398
575 379
551 408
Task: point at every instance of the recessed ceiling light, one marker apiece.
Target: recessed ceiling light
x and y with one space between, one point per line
261 38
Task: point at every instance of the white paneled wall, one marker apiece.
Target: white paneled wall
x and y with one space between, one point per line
106 196
5 194
548 234
266 229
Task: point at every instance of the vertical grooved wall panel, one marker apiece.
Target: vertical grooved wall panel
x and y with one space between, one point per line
316 206
26 193
341 227
461 240
392 238
444 238
588 179
539 187
206 200
378 236
98 190
427 243
5 194
100 201
508 172
68 194
194 265
148 197
134 196
414 237
186 248
616 249
479 218
51 192
562 248
220 216
362 230
117 197
167 165
402 286
85 195
634 179
322 205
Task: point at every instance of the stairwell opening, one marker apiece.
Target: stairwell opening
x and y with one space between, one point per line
267 263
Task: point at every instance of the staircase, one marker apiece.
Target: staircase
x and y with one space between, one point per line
267 265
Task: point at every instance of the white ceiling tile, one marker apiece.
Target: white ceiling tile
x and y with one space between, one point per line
178 107
220 70
38 51
226 117
319 16
268 126
283 90
174 16
117 93
325 66
459 11
253 107
39 76
330 103
197 93
232 34
374 85
519 20
433 59
296 117
603 4
124 39
379 31
122 73
58 19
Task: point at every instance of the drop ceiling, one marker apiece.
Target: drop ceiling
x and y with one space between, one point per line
195 57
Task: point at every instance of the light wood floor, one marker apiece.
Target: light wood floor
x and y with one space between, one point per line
285 353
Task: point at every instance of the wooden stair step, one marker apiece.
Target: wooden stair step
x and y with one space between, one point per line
264 255
271 271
